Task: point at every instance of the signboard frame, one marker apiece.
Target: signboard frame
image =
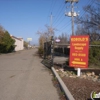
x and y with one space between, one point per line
29 39
79 50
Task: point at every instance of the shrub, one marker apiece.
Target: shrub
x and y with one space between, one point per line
40 50
94 54
6 43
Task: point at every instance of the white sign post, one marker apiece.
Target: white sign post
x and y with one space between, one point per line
79 47
78 72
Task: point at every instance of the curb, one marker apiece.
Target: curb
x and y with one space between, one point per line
65 89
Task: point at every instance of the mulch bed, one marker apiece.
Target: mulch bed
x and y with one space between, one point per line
81 88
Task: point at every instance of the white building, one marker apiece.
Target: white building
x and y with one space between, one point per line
19 43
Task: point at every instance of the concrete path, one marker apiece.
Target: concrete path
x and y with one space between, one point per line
23 77
60 60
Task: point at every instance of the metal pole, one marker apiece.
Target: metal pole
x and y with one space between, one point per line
72 14
51 20
52 51
51 30
52 41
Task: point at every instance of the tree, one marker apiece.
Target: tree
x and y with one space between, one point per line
44 37
7 43
1 33
25 44
94 54
90 23
64 38
80 30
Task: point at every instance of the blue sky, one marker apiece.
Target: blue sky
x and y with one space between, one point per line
23 18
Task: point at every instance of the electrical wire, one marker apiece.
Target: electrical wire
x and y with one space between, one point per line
59 16
89 3
64 24
53 2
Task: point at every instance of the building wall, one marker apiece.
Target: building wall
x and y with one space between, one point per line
19 43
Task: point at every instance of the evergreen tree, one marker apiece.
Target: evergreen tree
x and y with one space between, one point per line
7 43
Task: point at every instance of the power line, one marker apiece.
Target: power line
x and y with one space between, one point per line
89 3
64 24
59 15
60 18
51 7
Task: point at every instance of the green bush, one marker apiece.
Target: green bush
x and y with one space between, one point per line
6 43
94 54
40 50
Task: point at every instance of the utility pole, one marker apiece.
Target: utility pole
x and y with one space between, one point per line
52 41
72 14
72 11
51 20
51 29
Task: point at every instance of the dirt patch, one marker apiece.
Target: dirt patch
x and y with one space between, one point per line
60 92
12 76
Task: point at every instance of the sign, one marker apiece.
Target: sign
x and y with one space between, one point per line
79 46
57 40
29 39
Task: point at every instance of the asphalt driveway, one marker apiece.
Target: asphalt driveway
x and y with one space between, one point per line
23 77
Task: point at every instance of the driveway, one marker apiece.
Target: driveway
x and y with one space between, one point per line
23 77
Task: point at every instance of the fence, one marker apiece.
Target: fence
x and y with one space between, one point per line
58 51
47 49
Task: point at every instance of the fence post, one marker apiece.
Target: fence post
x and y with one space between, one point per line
52 50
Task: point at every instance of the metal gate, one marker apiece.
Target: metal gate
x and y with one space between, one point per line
47 49
52 49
